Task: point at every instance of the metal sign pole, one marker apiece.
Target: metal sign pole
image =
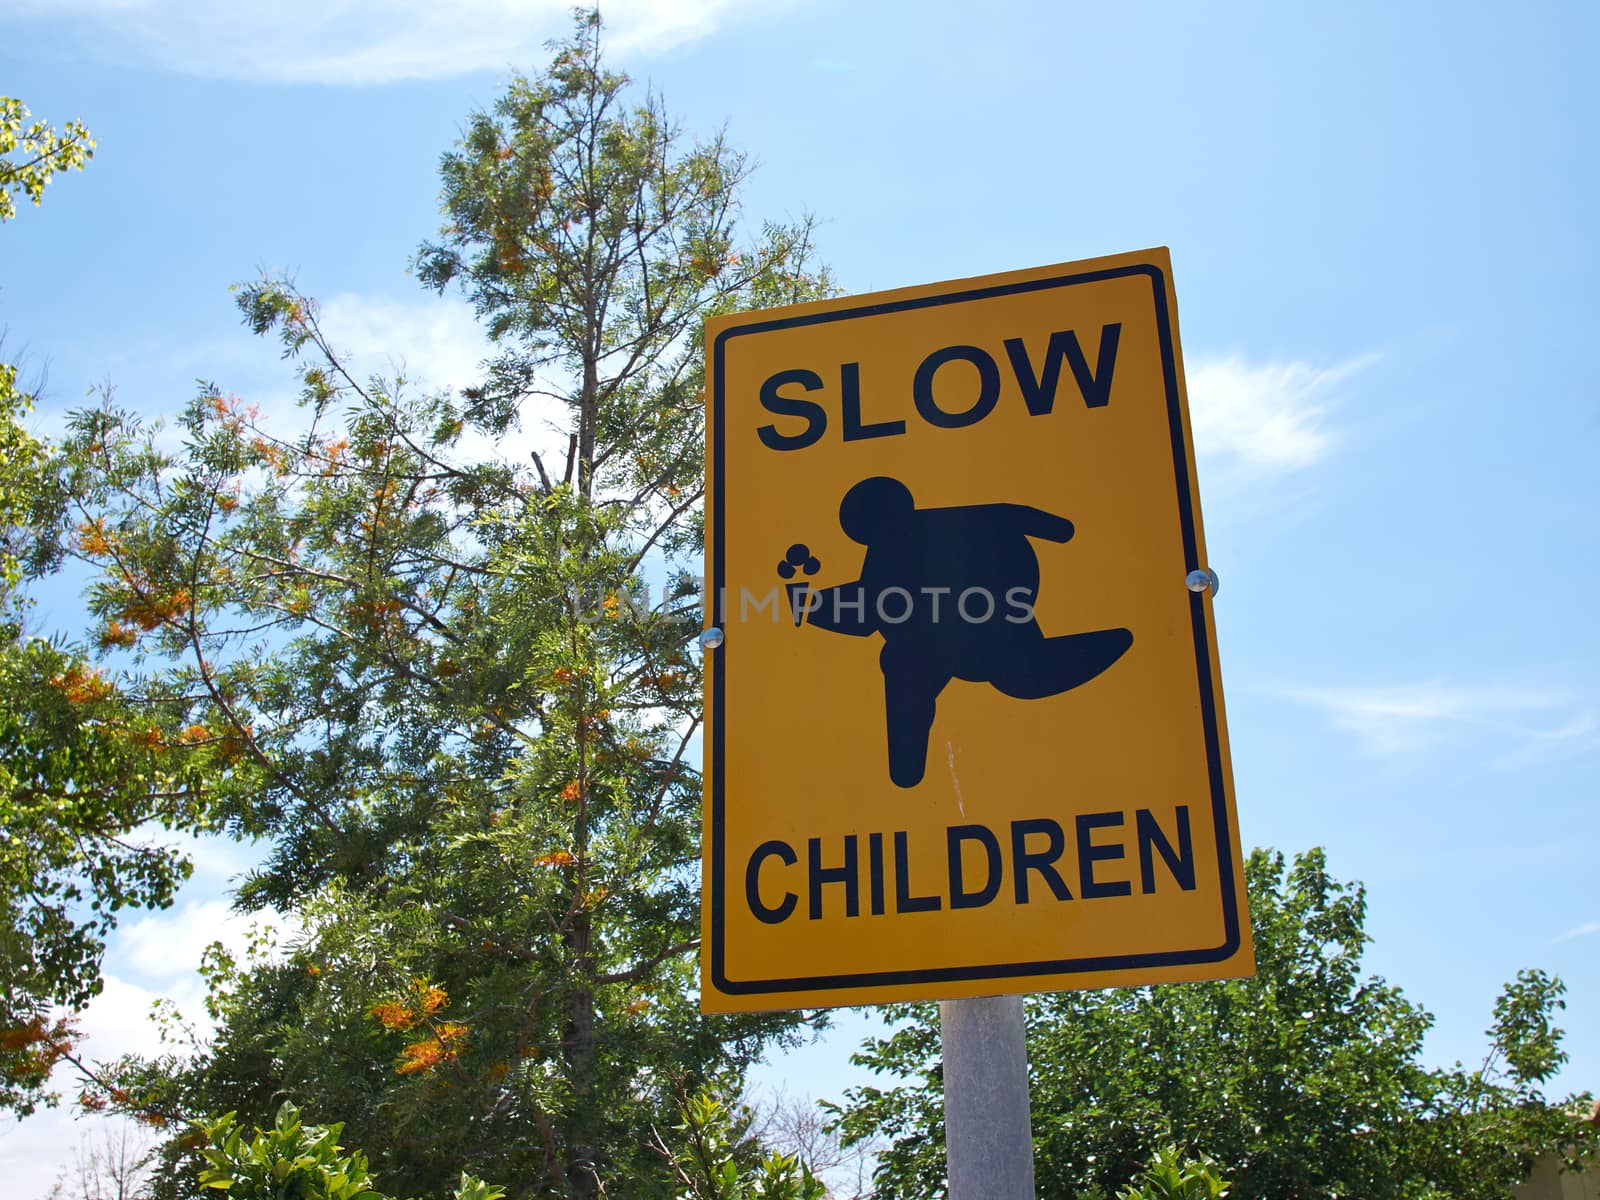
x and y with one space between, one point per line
988 1135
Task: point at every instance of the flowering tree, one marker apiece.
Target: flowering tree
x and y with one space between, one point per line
410 640
85 772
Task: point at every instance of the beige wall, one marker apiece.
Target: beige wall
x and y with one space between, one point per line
1549 1182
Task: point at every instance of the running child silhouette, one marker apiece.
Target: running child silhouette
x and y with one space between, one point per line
952 592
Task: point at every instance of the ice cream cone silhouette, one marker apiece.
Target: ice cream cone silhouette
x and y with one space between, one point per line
798 559
799 599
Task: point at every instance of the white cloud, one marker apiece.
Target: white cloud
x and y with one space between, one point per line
432 340
219 860
48 1148
1404 718
165 947
436 342
117 1022
1255 418
1264 417
372 41
151 958
1587 929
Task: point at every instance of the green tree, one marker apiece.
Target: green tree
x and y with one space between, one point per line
453 683
85 773
31 154
714 1158
710 1155
1170 1175
24 485
1305 1081
290 1158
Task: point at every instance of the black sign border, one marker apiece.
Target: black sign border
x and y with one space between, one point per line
1205 668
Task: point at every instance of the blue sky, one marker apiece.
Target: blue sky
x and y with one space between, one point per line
1378 222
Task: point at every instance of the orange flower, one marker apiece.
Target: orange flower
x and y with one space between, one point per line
233 744
81 686
23 1035
573 791
92 537
393 1015
420 1056
432 996
36 1048
443 1046
148 610
117 634
559 858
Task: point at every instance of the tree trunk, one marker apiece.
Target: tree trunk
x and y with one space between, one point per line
588 420
578 1049
578 1045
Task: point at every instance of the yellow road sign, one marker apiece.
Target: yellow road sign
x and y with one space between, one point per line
965 728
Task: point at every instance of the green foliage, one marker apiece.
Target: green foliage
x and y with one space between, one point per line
85 771
712 1157
292 1159
1171 1175
454 689
22 485
594 244
1524 1031
1306 1079
83 774
31 153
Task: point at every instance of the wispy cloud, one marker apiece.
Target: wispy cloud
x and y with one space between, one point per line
1397 719
432 340
164 948
1264 417
435 342
371 41
152 958
1587 929
117 1022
